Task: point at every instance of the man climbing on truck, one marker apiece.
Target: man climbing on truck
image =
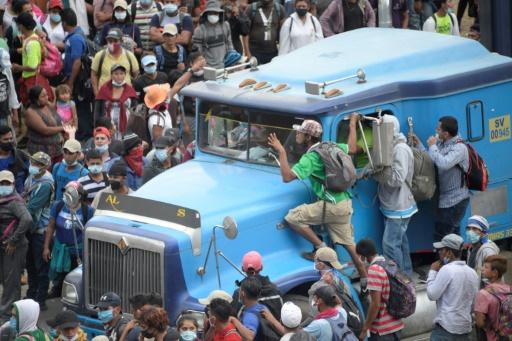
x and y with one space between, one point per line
334 209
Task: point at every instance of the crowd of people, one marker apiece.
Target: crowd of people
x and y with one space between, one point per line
90 103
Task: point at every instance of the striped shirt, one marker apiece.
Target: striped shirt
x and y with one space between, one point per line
378 281
92 187
142 19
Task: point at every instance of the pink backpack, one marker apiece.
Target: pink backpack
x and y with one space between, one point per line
51 64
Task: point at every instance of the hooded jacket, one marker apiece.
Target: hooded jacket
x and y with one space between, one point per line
489 248
333 21
39 194
27 314
213 40
12 208
395 181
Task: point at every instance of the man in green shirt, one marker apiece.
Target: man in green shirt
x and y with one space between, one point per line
334 209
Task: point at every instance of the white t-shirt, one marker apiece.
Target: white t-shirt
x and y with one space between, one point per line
56 34
160 119
302 33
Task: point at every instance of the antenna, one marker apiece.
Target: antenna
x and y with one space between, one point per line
315 88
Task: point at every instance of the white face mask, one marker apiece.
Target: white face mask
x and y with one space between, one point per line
213 18
65 338
120 15
198 73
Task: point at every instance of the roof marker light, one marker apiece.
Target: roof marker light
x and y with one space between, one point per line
262 85
280 87
315 88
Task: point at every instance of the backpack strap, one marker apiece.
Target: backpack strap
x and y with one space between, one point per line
100 64
129 60
159 53
181 53
133 10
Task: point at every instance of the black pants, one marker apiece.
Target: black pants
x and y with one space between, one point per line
448 219
85 118
37 269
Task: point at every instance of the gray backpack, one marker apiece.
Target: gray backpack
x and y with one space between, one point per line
424 178
340 173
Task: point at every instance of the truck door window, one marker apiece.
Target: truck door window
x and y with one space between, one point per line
475 120
361 157
242 133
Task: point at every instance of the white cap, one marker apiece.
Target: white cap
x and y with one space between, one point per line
291 316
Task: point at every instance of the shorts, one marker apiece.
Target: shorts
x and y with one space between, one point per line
338 218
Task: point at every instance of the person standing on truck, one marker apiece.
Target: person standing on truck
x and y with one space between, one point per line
338 206
394 191
110 314
453 285
442 21
347 15
451 158
381 325
489 300
270 296
481 246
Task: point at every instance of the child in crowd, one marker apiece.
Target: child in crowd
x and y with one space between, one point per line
65 106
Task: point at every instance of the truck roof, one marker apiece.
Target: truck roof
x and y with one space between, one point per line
399 64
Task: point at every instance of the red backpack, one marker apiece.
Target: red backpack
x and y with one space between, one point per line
477 176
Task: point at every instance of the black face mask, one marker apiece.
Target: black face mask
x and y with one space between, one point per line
115 185
147 334
6 146
301 12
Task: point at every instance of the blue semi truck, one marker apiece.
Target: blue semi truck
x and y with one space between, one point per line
158 239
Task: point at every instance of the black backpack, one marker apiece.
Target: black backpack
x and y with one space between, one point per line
265 330
83 83
270 297
5 91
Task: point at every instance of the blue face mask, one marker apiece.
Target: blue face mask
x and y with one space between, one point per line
33 170
55 17
161 154
102 149
53 333
188 335
13 323
65 163
6 190
146 2
150 69
472 237
105 316
170 9
95 169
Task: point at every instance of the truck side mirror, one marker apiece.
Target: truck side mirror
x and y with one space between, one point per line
382 153
230 228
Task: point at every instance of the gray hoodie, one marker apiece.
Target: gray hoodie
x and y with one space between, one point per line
213 40
487 249
394 191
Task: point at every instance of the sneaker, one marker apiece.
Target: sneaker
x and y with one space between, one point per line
309 255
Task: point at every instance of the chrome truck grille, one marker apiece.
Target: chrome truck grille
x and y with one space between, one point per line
124 264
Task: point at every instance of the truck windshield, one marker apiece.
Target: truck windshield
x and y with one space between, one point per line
242 133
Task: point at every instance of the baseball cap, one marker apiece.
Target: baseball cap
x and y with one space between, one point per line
55 4
451 241
102 130
147 60
291 316
109 299
118 169
252 260
6 175
173 134
117 67
42 158
164 141
64 319
120 3
309 127
131 141
478 222
216 294
328 294
326 254
115 33
170 29
156 94
73 146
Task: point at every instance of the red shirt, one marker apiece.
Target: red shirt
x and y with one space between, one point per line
378 281
227 334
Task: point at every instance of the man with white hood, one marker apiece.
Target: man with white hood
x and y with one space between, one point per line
25 314
396 200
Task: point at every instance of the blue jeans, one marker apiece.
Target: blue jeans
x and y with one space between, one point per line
395 243
448 219
441 334
37 269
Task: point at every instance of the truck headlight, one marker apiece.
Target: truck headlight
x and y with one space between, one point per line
69 293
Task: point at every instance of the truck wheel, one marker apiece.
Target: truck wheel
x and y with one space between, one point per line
303 303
